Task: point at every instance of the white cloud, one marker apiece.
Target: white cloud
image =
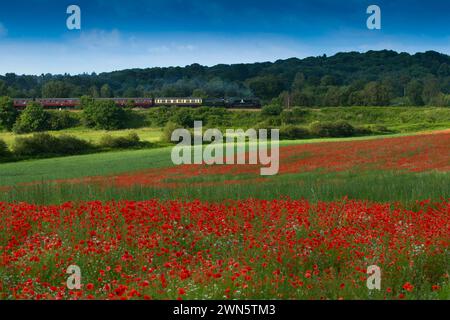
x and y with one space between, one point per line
99 39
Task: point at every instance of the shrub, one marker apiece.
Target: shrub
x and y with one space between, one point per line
70 145
130 141
158 117
363 131
379 129
184 118
103 115
371 129
86 101
8 114
169 128
271 110
62 120
40 143
332 129
135 120
33 119
211 116
287 117
265 126
292 132
4 151
270 122
299 112
44 144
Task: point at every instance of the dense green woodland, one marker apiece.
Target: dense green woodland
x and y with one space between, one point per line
375 78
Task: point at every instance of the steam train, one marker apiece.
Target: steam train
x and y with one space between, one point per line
73 103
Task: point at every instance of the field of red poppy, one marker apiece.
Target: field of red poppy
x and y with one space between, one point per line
224 232
419 153
282 249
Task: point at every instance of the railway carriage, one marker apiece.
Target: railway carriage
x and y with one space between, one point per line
134 102
58 103
20 103
183 102
142 102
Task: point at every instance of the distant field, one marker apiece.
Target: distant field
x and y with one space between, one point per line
395 119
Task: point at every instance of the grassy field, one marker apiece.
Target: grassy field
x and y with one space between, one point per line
385 186
82 166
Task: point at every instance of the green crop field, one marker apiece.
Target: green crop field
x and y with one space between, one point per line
386 186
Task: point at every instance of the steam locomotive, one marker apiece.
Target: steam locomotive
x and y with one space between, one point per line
73 103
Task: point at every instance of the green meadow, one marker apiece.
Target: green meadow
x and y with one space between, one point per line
380 186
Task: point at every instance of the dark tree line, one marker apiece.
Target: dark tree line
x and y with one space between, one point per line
375 78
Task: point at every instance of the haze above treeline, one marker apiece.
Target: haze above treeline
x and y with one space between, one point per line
375 78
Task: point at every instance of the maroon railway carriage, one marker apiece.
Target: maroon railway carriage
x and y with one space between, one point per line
59 103
20 103
135 102
51 103
72 103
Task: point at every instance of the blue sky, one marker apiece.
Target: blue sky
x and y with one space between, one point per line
118 34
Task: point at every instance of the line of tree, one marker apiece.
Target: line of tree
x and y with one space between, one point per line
97 114
375 78
45 145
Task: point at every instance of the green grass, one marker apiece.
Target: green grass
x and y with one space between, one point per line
381 186
83 166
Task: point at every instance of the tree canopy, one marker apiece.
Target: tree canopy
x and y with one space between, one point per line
352 78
